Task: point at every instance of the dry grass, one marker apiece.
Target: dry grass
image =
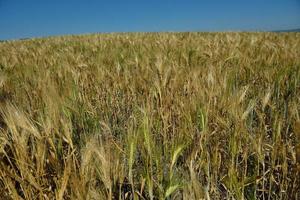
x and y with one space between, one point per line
151 116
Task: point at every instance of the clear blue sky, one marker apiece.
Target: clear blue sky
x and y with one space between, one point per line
37 18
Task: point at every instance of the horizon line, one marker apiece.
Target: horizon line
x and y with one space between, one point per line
294 30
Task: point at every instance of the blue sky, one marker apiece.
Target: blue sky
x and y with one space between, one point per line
38 18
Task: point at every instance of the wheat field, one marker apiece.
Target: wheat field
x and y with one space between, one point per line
151 116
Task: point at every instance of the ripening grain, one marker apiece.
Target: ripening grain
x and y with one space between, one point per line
151 116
